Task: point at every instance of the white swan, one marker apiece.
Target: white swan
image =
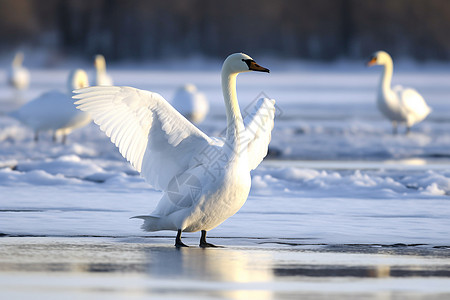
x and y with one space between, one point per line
18 76
205 180
101 77
191 103
399 105
54 110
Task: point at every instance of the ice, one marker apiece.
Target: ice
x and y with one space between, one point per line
340 207
342 177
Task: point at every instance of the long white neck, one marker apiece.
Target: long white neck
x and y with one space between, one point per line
235 125
386 77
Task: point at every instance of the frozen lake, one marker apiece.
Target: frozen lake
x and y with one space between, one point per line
341 207
138 268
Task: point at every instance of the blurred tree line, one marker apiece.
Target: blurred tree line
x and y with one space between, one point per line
311 29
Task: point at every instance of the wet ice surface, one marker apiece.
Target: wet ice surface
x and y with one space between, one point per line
140 267
342 208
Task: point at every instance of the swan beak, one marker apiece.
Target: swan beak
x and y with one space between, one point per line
255 67
372 61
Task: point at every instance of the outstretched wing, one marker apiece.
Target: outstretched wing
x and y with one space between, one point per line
258 126
157 140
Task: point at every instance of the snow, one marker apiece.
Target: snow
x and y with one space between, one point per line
337 176
338 194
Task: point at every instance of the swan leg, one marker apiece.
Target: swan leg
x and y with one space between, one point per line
36 136
394 127
64 139
203 242
408 129
178 242
55 138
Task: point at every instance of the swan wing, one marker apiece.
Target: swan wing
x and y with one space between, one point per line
258 126
413 103
156 139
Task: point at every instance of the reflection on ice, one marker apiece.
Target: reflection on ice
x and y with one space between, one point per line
214 265
228 265
95 267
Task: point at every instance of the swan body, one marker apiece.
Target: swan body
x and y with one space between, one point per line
191 103
101 76
18 76
398 104
204 180
54 110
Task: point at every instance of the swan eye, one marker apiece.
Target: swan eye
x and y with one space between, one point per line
248 62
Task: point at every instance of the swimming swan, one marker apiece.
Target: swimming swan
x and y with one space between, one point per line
191 103
54 110
400 105
205 180
101 77
18 75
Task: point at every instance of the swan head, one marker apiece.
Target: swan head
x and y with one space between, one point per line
77 79
100 62
379 58
239 63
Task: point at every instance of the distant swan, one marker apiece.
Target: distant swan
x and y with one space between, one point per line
101 77
399 105
18 75
54 110
191 103
205 180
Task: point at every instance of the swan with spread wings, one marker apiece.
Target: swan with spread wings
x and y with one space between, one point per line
204 180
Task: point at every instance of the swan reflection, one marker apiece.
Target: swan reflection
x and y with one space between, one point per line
249 268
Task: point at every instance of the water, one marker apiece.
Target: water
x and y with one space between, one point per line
342 210
117 268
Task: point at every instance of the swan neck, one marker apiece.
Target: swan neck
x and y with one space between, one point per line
386 77
235 124
77 80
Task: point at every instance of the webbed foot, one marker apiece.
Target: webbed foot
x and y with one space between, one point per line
204 243
178 242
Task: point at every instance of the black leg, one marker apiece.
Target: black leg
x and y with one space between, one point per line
203 242
178 242
408 130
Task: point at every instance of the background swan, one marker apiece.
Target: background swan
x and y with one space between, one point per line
400 105
205 180
54 110
191 103
18 75
101 76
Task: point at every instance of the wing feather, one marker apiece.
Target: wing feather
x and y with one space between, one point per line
157 140
258 125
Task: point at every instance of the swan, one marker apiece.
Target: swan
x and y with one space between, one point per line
18 76
399 104
54 110
204 180
101 77
191 103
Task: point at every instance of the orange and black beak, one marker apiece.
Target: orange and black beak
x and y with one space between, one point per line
372 61
253 66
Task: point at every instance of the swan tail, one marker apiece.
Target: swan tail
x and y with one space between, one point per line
151 223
